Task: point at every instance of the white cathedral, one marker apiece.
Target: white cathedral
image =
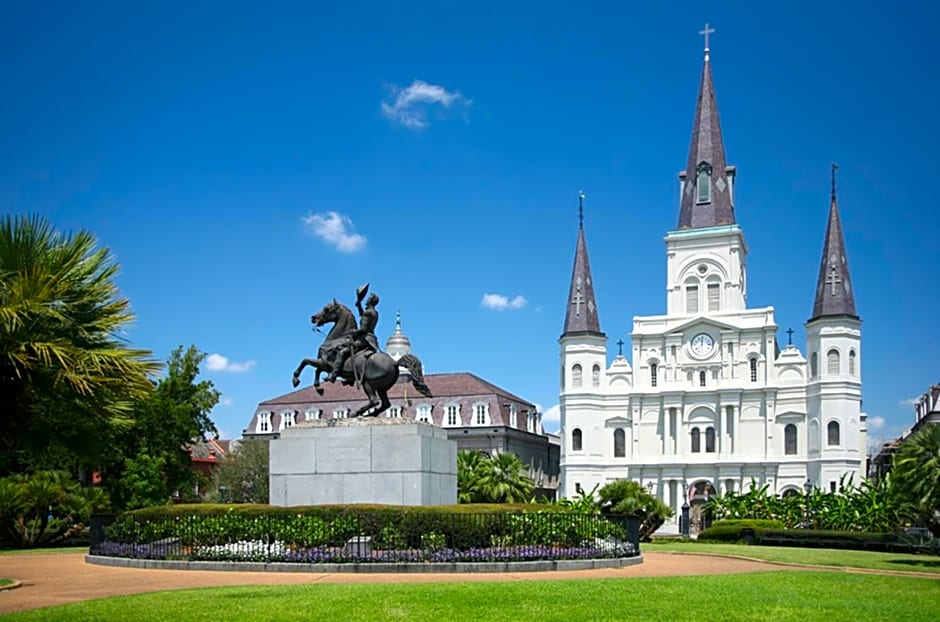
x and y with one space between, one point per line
711 402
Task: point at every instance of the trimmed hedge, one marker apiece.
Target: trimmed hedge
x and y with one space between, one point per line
854 540
731 530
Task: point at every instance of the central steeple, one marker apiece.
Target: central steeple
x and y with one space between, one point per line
707 181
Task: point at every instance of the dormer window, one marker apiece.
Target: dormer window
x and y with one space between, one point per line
703 177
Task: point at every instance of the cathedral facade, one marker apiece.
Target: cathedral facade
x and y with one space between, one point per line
710 402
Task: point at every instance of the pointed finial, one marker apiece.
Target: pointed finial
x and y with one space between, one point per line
580 209
706 32
398 320
835 167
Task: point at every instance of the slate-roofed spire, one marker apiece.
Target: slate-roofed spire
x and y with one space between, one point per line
834 296
581 317
707 193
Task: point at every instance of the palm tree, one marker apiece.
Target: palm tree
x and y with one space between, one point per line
916 477
66 373
503 479
468 476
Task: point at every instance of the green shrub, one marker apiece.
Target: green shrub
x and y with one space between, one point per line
732 530
855 540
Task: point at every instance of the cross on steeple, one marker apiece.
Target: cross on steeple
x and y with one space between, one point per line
620 348
833 279
577 300
706 32
789 336
581 209
835 167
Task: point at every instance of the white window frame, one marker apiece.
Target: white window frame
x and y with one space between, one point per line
312 414
424 413
393 412
340 413
287 419
513 416
264 422
481 414
451 418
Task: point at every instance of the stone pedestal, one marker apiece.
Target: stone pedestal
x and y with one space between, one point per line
363 460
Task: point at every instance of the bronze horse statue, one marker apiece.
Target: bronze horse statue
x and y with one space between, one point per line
377 372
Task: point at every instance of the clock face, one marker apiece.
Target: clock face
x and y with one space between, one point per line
702 344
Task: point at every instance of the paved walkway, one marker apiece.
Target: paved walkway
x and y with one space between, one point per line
59 578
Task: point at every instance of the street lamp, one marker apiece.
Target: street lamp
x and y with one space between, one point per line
684 520
807 488
222 490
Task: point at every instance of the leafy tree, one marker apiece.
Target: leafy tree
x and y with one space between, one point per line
916 477
67 377
45 508
243 473
628 497
502 478
155 463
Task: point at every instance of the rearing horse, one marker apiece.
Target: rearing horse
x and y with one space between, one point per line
377 372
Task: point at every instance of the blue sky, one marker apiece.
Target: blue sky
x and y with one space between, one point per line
207 144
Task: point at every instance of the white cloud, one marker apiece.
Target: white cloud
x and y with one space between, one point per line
335 229
500 302
876 423
551 419
226 401
410 105
911 401
217 362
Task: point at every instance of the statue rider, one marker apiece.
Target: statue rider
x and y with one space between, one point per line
362 339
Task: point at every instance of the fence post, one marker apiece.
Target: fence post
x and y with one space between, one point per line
96 528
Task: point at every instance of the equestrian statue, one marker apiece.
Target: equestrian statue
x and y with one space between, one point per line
350 353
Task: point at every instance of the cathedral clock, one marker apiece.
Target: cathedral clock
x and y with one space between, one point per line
702 344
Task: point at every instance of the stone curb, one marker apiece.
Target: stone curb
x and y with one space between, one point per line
387 568
11 586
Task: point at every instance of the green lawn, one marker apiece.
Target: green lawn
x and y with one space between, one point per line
819 557
4 581
779 596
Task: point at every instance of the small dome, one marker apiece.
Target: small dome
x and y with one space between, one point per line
398 345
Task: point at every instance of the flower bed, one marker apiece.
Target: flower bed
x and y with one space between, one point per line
367 534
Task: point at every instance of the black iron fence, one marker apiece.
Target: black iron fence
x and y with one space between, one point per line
363 537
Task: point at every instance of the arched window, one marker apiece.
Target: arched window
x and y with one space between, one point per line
833 432
696 441
814 365
702 183
709 440
576 376
596 375
653 372
701 379
691 297
713 291
620 443
789 440
753 364
852 362
576 439
832 362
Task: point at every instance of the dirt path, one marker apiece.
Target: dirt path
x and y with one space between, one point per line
56 579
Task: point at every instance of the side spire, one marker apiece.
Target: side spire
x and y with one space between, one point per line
834 296
707 181
581 316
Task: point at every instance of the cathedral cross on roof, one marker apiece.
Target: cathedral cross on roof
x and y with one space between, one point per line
706 32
